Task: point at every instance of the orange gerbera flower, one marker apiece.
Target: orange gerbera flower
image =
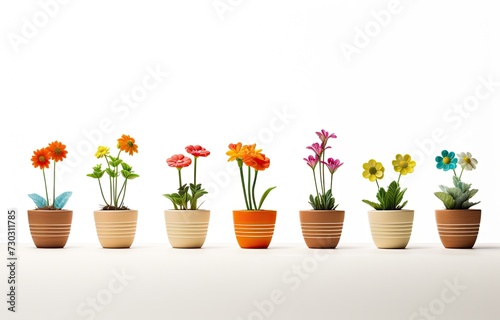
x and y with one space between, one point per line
257 161
127 143
41 158
57 151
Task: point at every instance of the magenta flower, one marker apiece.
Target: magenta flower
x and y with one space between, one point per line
317 148
324 136
312 161
332 164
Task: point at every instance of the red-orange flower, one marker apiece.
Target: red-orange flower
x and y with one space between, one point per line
127 143
235 151
57 151
257 161
41 158
178 161
197 151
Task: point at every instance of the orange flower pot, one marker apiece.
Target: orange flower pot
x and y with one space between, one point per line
458 229
50 228
254 229
322 229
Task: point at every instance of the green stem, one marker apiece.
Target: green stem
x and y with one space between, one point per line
399 178
378 187
102 193
253 189
124 192
249 190
195 162
46 190
316 182
54 187
454 172
180 177
240 164
121 190
110 182
459 178
331 182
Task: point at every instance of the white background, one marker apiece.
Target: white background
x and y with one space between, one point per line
229 75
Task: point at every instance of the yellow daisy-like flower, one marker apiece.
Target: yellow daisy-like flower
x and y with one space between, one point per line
102 151
403 164
373 170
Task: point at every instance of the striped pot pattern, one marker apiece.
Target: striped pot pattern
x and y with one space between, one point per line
322 229
458 229
391 229
254 229
187 228
50 228
116 228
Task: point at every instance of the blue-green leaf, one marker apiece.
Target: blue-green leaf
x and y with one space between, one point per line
62 199
39 201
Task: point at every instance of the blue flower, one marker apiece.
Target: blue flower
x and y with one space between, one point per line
447 161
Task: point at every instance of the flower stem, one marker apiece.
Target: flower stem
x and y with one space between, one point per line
110 183
253 189
54 187
180 177
461 174
399 178
102 193
195 162
124 191
46 191
121 190
243 183
249 190
331 182
316 183
378 187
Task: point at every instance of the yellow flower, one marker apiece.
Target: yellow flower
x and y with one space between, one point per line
235 151
403 164
373 170
101 152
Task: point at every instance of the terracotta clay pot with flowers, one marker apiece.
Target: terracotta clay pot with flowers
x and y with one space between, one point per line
390 224
254 227
49 223
322 226
115 222
187 224
458 225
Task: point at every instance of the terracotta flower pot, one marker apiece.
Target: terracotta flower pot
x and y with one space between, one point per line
254 229
50 228
322 229
116 228
458 229
187 228
391 229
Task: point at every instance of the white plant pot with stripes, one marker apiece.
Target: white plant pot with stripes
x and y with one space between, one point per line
391 229
187 228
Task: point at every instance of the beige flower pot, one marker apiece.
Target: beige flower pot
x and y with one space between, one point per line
116 228
321 229
50 228
391 229
187 228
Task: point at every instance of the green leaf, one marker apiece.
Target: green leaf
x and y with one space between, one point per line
454 192
374 205
132 176
111 173
39 201
62 199
473 193
126 166
264 196
463 198
448 200
92 175
467 204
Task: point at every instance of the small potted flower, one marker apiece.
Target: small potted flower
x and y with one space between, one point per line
322 226
390 224
254 227
50 224
187 224
458 225
115 222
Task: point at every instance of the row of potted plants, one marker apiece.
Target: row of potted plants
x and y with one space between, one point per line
187 224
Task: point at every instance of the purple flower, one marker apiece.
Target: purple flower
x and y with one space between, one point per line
317 148
324 136
312 161
332 164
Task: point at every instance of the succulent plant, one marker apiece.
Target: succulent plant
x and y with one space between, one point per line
458 196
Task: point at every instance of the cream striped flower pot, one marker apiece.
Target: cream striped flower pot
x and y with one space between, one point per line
116 228
391 229
187 228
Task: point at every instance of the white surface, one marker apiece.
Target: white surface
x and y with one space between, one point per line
223 282
232 80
